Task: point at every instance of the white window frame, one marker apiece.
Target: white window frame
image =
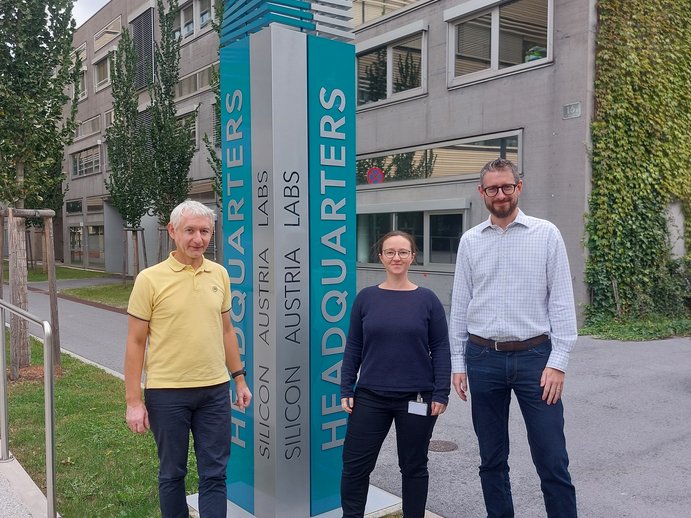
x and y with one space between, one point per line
441 207
108 114
113 29
81 51
472 9
105 82
390 40
79 131
96 165
191 111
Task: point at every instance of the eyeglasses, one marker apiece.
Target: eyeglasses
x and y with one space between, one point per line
507 189
390 254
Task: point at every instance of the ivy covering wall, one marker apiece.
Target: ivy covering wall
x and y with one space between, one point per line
641 157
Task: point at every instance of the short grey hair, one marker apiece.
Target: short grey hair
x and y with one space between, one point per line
191 208
500 164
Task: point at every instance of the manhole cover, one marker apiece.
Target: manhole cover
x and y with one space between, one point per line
442 446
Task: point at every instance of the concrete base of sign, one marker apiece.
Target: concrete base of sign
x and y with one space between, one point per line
379 504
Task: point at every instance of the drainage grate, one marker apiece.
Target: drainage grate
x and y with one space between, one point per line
442 446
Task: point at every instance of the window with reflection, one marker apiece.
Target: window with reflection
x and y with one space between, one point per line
389 70
519 29
455 158
367 10
436 246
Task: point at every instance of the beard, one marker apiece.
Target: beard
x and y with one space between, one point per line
501 209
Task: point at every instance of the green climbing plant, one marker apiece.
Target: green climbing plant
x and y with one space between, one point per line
641 148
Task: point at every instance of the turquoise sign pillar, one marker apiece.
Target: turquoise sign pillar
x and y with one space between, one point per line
288 150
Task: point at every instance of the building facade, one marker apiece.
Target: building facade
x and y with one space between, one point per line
92 229
443 87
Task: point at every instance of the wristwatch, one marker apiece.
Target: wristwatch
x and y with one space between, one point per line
241 372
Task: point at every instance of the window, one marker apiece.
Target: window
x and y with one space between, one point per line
396 68
143 38
102 72
183 23
204 12
87 161
505 37
366 10
108 118
88 127
107 34
190 120
436 233
95 245
76 252
73 207
81 54
461 157
196 82
94 205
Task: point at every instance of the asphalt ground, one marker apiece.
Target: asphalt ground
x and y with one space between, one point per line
628 428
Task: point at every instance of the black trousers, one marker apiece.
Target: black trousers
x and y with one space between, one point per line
368 426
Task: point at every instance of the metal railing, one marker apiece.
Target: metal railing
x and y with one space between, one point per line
48 398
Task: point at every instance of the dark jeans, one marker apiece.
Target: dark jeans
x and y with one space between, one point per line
173 413
368 426
491 376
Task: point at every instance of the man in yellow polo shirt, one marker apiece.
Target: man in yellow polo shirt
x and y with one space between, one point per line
182 307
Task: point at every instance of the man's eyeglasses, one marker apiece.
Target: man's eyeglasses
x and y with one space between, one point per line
390 254
507 189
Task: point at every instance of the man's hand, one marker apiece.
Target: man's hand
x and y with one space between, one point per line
244 396
460 383
552 382
137 418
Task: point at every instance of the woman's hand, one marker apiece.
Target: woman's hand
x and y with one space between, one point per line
347 404
438 408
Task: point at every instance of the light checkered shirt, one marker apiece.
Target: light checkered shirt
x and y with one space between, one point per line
513 285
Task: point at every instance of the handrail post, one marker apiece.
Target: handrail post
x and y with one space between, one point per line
49 406
48 367
4 429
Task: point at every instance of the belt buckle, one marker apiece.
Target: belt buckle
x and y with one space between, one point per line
496 346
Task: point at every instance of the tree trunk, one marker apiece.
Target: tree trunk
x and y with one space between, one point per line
135 252
124 255
52 288
146 262
44 252
19 343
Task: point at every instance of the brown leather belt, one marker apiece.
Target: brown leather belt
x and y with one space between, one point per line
523 345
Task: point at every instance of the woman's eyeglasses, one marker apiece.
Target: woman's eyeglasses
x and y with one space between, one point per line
390 254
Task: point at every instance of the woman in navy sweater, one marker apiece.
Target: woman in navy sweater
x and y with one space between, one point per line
398 341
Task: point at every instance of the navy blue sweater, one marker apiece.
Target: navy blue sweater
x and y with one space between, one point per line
399 341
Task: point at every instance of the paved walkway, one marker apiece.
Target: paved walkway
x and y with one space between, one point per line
628 406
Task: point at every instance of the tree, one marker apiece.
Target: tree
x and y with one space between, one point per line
172 146
128 183
36 70
214 159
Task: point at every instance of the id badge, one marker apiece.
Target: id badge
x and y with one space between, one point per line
417 407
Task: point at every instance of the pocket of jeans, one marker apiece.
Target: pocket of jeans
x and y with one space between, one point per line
475 352
544 349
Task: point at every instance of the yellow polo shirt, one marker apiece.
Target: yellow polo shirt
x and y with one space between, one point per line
183 307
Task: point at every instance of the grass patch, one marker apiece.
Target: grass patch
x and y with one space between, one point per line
61 273
116 294
102 469
654 328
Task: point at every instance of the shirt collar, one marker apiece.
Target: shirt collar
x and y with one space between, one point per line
521 219
177 266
